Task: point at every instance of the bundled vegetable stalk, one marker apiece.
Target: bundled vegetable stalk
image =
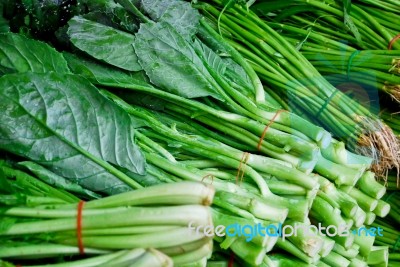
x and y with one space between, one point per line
359 205
39 222
282 67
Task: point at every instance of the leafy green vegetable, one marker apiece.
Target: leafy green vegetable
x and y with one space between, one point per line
104 43
179 14
236 73
57 181
21 54
102 74
210 57
63 123
171 62
114 11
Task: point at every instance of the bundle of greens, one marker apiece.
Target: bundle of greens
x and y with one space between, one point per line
40 222
284 69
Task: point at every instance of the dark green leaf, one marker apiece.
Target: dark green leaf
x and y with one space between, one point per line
57 181
171 62
21 54
104 43
101 74
210 57
236 73
114 11
63 123
144 100
180 14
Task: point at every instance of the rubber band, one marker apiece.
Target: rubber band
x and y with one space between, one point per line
266 128
243 162
79 227
397 37
396 244
352 56
208 176
231 259
326 103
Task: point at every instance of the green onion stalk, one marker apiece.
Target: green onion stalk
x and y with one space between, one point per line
285 69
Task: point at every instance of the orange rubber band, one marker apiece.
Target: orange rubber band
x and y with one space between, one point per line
397 37
79 227
208 176
243 162
266 128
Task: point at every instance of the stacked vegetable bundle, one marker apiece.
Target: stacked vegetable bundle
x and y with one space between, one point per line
42 222
174 102
290 75
331 44
329 35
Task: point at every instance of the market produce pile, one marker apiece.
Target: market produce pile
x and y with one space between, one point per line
170 133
